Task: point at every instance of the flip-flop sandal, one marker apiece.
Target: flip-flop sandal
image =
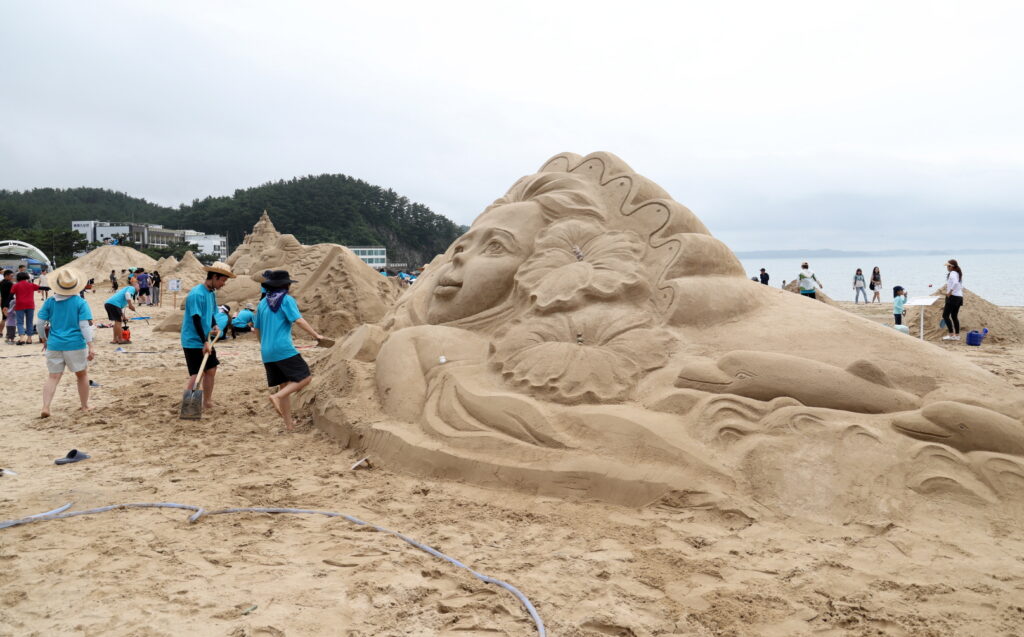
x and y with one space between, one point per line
73 456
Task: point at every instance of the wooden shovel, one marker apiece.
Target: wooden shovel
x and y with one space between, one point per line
192 400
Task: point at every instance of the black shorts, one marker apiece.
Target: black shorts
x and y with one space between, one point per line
293 369
194 358
114 313
143 291
43 288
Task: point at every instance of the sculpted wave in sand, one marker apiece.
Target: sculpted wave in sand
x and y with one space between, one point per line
588 337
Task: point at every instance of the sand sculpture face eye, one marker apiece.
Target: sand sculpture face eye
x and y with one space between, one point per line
484 262
744 374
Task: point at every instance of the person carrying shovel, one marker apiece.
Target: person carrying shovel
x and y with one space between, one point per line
286 369
199 330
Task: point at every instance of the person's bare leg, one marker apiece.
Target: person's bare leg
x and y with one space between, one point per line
49 389
283 401
83 388
117 333
275 402
191 384
209 376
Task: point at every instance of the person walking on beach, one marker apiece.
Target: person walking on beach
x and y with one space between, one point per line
43 282
68 341
199 329
144 279
954 300
115 306
876 285
286 369
113 280
155 287
809 283
764 277
24 307
5 290
858 286
899 302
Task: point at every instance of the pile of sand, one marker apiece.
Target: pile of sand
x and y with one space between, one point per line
976 314
166 264
98 263
794 286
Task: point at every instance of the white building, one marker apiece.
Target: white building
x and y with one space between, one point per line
148 235
374 256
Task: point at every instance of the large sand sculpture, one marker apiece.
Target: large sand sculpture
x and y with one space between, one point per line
97 263
589 338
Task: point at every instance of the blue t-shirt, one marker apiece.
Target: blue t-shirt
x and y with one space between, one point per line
202 302
120 298
898 304
143 280
276 329
222 324
243 318
65 333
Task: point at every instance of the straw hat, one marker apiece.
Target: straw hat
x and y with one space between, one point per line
68 281
220 268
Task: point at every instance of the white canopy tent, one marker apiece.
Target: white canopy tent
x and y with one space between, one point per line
17 248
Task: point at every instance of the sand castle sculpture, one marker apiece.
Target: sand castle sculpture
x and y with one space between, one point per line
337 291
587 337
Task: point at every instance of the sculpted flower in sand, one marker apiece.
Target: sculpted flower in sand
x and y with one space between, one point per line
578 257
593 355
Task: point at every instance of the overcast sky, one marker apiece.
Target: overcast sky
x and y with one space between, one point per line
846 125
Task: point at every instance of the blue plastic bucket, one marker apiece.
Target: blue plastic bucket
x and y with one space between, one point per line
974 337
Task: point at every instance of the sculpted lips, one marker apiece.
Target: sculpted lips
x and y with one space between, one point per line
447 287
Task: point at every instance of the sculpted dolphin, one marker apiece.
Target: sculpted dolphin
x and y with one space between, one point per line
862 387
964 427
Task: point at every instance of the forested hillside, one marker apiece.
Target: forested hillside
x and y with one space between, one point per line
316 209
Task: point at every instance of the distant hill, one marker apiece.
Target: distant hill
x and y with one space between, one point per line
316 209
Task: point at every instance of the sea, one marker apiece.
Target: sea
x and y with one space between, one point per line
996 277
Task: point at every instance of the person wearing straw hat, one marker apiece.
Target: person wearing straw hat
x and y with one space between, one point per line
285 367
198 324
67 339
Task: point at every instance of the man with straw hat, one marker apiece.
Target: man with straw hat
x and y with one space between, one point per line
199 329
68 338
285 367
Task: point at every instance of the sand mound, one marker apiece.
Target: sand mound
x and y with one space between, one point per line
170 323
794 286
166 264
98 263
976 314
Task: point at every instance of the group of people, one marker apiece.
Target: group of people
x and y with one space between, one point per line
67 333
953 290
147 284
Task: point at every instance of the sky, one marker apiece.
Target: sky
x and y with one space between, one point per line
782 125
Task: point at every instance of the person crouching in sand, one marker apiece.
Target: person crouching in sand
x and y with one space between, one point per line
68 341
285 367
200 306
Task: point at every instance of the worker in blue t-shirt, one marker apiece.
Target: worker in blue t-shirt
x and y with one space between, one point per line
199 329
243 321
285 367
222 317
68 341
115 306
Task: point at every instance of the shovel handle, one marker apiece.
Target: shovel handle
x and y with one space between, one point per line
202 366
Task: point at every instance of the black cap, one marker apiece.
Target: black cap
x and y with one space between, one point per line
277 279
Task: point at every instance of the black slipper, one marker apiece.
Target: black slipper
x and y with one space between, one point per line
73 456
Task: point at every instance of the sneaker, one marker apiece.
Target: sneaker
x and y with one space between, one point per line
949 337
956 338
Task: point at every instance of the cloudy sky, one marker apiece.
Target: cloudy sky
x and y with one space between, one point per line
867 125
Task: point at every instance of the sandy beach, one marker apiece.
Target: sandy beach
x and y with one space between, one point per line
591 569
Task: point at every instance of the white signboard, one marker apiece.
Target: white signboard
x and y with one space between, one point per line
923 301
174 285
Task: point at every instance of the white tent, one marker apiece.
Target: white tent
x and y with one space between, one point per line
22 249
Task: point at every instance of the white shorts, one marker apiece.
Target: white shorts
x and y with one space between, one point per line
76 360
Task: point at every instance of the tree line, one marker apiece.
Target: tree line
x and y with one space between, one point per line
315 208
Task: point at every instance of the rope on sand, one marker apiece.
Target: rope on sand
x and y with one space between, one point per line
60 514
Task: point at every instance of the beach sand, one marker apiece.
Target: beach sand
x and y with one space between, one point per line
591 569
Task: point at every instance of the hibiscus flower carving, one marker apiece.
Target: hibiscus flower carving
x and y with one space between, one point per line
576 258
595 355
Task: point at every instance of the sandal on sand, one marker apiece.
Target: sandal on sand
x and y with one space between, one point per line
73 456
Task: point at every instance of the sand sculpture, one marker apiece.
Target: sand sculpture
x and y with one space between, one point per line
337 291
589 338
794 286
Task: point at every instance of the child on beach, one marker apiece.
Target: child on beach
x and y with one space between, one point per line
899 301
285 367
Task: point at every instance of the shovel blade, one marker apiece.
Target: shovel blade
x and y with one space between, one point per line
192 405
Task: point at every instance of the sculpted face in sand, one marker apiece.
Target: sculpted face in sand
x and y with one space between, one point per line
484 262
588 337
